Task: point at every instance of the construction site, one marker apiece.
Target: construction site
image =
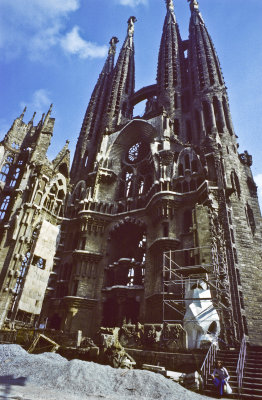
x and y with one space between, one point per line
141 261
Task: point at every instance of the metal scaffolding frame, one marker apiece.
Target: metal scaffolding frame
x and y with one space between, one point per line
176 278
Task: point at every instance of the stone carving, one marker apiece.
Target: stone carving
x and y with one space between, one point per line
194 4
246 159
201 320
153 336
131 26
170 5
113 42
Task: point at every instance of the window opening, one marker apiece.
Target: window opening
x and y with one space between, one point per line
180 170
141 186
226 113
10 159
131 275
165 229
4 172
4 206
133 152
176 127
176 100
187 162
15 177
187 221
189 131
218 116
251 219
128 179
194 166
39 262
206 112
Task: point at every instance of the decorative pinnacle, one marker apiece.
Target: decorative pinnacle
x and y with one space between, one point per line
193 5
32 119
112 48
170 5
23 113
50 108
131 26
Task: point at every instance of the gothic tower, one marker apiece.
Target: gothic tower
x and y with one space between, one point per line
32 196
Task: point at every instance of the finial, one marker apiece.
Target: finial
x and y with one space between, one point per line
67 141
170 5
48 114
23 113
50 109
113 42
32 119
193 4
131 26
40 123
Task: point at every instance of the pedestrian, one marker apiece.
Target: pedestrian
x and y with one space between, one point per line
220 378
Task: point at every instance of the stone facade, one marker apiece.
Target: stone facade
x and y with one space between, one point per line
156 206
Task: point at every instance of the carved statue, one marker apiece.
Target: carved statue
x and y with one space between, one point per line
131 26
170 5
201 320
194 4
113 42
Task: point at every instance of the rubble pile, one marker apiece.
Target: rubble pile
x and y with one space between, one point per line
50 376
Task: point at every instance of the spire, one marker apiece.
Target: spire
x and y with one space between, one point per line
206 78
203 58
170 6
23 114
169 63
91 126
40 123
32 119
46 120
119 108
193 5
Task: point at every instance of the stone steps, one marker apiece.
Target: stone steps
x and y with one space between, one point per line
252 380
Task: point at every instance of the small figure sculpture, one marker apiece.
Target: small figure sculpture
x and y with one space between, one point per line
131 26
170 5
193 4
113 42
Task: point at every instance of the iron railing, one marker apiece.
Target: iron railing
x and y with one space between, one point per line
208 363
241 365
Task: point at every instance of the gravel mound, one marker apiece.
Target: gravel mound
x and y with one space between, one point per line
50 376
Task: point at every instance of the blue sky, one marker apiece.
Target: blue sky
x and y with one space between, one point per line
54 50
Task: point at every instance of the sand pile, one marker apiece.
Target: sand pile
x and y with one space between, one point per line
49 376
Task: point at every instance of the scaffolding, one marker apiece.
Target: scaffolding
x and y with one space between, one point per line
182 269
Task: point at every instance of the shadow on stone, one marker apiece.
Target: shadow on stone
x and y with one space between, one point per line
8 381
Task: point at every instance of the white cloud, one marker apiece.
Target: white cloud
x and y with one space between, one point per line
132 3
33 27
39 102
258 180
74 44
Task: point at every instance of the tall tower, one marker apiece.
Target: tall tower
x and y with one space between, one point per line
163 222
32 199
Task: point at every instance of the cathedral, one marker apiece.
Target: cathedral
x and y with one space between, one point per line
158 220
